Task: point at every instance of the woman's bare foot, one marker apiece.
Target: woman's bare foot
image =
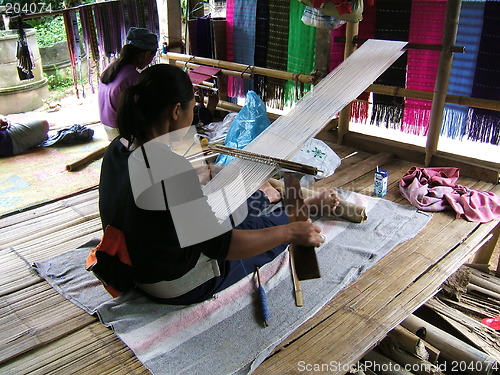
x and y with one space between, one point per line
323 202
270 192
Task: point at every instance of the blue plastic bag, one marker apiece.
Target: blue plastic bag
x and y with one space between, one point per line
248 124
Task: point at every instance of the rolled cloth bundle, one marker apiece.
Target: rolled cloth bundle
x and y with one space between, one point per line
346 210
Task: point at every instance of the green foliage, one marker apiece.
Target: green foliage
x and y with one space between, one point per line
60 81
49 30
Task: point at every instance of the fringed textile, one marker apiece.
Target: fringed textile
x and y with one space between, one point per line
392 22
243 44
230 41
426 26
110 30
73 39
277 50
337 48
301 52
25 62
360 107
463 67
204 39
90 41
484 125
261 40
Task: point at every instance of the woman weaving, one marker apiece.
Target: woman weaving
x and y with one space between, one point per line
159 104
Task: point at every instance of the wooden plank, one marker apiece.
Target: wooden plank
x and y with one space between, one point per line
87 198
36 316
478 169
377 301
15 273
93 349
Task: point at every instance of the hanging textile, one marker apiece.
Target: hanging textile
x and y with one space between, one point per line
244 19
360 107
392 22
90 42
301 52
277 50
463 67
484 125
204 37
111 32
130 14
261 40
73 39
230 42
25 63
426 26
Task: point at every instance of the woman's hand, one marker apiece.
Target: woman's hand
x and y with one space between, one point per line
322 203
305 233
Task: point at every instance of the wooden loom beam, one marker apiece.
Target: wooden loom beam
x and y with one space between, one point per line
443 77
241 67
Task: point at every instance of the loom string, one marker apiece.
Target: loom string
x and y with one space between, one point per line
287 135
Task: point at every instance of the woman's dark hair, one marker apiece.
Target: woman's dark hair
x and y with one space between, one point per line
141 106
128 55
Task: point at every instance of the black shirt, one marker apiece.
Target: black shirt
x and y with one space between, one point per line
150 235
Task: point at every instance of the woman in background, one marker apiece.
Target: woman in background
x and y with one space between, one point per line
138 53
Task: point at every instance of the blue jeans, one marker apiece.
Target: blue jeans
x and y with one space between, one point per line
234 270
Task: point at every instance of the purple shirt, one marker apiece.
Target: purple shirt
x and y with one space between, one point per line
5 144
109 94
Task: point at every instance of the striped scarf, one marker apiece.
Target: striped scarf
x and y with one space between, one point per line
243 43
301 52
277 50
261 39
463 67
484 125
426 26
392 23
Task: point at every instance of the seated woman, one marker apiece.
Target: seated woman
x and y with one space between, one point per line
138 53
164 267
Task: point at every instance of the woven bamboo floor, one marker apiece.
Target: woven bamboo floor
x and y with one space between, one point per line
42 333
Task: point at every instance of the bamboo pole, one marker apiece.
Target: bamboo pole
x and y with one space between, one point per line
443 77
86 160
345 114
242 67
452 348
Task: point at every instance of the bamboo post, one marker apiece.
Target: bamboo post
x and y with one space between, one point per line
79 164
174 25
345 114
443 77
452 348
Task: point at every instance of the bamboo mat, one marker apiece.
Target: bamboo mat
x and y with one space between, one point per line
46 333
40 175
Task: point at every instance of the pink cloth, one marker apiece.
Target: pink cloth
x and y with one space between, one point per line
435 189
